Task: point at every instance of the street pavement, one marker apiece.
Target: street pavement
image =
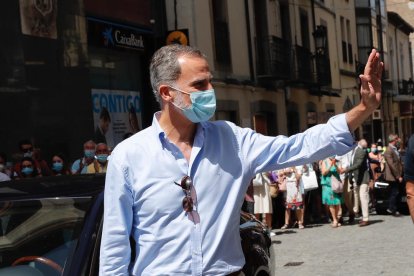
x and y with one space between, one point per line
385 247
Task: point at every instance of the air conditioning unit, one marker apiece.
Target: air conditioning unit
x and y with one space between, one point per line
376 115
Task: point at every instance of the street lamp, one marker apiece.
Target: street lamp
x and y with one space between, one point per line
320 39
322 66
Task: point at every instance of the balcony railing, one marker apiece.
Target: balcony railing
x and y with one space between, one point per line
277 60
404 88
273 58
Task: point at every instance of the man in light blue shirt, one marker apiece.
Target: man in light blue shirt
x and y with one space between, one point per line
79 165
177 186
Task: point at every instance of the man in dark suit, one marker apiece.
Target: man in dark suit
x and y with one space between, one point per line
359 170
393 172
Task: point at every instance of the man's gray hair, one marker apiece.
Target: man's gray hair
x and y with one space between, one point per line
363 143
164 67
392 137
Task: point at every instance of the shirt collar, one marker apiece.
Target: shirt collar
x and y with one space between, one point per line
160 132
394 147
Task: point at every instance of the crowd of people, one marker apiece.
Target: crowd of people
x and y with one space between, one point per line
272 196
29 162
355 173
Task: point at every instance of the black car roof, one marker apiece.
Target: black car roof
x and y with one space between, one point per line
53 186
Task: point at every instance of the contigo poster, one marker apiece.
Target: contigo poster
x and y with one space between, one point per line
38 18
116 114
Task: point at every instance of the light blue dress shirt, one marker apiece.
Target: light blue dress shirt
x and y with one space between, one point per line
142 200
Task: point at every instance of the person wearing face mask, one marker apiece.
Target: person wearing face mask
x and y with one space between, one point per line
4 167
177 186
26 151
58 165
79 166
375 161
28 169
293 197
329 167
3 170
100 164
393 172
359 170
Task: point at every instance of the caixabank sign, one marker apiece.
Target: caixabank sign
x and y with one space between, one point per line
115 36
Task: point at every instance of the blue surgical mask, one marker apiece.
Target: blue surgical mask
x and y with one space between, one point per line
57 166
89 153
203 105
28 154
27 171
102 158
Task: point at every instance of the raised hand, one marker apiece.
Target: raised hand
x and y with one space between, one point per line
370 92
371 81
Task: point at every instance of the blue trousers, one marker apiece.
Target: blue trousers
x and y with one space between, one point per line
394 192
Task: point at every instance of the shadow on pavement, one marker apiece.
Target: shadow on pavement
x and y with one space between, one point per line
286 232
313 225
373 221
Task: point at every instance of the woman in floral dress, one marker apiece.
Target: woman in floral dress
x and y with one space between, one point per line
329 198
294 197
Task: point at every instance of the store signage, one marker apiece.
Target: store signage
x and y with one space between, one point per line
123 114
177 37
104 34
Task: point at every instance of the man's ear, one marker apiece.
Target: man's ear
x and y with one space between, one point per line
165 93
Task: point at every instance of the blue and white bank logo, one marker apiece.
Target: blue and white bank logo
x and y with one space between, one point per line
108 38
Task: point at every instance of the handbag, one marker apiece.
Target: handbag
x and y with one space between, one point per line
282 185
273 190
336 185
258 180
309 181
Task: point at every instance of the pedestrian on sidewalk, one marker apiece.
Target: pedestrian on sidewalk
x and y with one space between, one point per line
329 198
375 161
393 172
263 208
349 192
293 197
359 170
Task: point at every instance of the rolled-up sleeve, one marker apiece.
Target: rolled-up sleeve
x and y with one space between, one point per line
115 253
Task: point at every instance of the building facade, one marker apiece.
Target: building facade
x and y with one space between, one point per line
389 33
276 64
400 75
401 15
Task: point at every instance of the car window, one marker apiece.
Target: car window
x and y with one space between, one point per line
39 236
